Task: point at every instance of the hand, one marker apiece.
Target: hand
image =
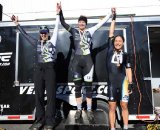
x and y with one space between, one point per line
130 88
58 9
113 10
15 19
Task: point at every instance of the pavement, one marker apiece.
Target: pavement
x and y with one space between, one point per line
25 126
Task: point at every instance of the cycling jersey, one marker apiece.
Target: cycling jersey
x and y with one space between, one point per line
45 50
82 40
117 62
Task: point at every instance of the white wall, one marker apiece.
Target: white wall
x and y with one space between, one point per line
37 9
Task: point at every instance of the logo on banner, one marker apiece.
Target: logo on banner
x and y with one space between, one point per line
5 58
64 89
4 106
28 90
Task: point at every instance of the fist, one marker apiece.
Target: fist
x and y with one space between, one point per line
113 10
13 18
130 88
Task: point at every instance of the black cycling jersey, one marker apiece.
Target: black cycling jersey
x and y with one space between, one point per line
82 40
46 51
117 62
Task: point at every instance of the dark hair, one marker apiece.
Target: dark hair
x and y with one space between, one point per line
119 36
83 18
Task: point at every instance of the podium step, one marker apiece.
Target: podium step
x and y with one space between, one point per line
100 121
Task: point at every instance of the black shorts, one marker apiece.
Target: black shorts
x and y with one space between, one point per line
82 67
118 91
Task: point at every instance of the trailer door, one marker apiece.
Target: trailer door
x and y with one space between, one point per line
154 58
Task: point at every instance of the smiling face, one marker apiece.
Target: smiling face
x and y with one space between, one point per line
44 36
81 25
44 33
118 43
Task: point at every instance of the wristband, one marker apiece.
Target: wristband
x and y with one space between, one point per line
114 17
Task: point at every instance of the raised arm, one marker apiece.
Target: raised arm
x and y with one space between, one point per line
28 37
97 26
55 32
112 26
64 24
111 29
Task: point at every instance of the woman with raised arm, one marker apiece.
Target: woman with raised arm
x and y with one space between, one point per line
119 75
44 77
82 64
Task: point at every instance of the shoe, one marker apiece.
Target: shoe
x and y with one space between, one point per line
36 126
78 114
90 115
48 127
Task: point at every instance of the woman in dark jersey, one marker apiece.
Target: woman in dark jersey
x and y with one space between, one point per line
82 63
44 77
119 75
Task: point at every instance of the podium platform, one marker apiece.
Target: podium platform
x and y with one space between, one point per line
100 121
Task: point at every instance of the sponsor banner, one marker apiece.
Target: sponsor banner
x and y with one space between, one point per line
5 58
65 89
